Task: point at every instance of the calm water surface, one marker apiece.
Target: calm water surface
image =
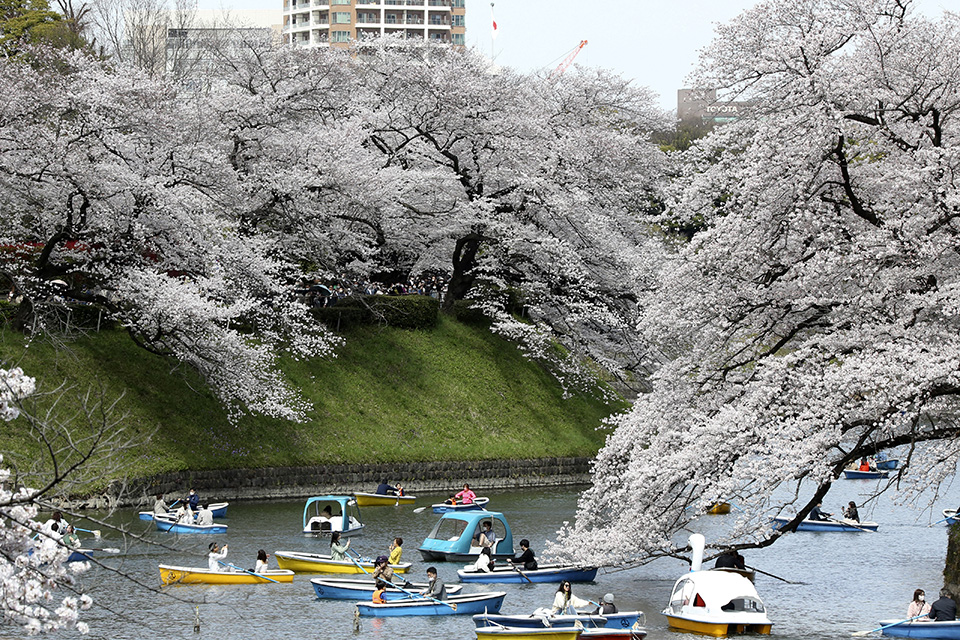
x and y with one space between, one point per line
849 580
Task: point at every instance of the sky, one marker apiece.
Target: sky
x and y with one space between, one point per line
653 42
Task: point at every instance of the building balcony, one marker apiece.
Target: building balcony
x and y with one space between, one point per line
361 19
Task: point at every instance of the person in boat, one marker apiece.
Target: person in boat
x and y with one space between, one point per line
338 550
216 556
730 559
486 538
193 500
918 606
467 496
944 609
864 465
606 606
526 558
261 566
435 587
159 506
565 601
817 514
396 551
382 569
56 526
851 513
205 516
378 592
484 561
71 539
185 515
399 489
385 489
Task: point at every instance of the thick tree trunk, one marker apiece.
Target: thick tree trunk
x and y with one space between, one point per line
464 260
951 570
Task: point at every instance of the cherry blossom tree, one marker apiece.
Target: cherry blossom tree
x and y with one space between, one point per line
117 192
33 574
814 319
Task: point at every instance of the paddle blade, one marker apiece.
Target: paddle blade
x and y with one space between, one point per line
419 510
96 533
860 634
454 606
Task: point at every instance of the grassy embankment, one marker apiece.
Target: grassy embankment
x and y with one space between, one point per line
453 393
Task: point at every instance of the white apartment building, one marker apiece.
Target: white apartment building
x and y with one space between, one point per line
322 23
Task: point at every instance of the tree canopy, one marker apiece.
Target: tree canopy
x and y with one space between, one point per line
814 319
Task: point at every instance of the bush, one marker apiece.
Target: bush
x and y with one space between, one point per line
466 311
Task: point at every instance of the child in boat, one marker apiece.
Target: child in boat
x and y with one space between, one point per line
378 593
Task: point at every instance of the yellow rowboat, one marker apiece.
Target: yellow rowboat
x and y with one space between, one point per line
322 563
718 508
200 575
498 633
381 500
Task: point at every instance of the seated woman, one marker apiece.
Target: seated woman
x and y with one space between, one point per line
484 561
338 550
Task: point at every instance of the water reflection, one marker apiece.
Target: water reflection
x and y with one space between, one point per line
849 581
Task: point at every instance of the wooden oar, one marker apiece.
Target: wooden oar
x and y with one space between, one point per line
259 575
452 605
772 576
859 634
847 524
517 569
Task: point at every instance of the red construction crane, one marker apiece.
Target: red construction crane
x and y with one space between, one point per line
568 60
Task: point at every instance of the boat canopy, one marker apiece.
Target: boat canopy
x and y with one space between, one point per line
456 530
338 506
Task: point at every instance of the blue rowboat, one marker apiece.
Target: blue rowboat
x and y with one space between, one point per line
82 555
166 523
469 604
923 629
950 516
516 575
846 526
219 510
856 474
542 618
346 589
477 504
455 534
888 465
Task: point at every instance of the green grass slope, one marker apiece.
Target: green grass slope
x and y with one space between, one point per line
453 393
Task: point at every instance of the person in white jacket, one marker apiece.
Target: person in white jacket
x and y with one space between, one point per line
215 556
566 602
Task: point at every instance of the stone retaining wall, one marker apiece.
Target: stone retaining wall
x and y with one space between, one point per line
298 482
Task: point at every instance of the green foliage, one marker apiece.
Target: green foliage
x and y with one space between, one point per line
452 393
34 22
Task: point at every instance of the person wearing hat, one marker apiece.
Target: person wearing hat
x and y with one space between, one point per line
215 556
606 606
382 569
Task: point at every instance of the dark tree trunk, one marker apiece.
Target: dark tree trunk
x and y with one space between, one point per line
464 260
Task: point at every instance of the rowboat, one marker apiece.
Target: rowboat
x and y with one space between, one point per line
170 574
493 633
82 555
171 525
381 500
454 536
345 589
716 603
544 618
219 510
845 525
561 633
469 604
888 465
718 508
322 515
856 474
950 516
923 629
514 574
478 503
323 563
